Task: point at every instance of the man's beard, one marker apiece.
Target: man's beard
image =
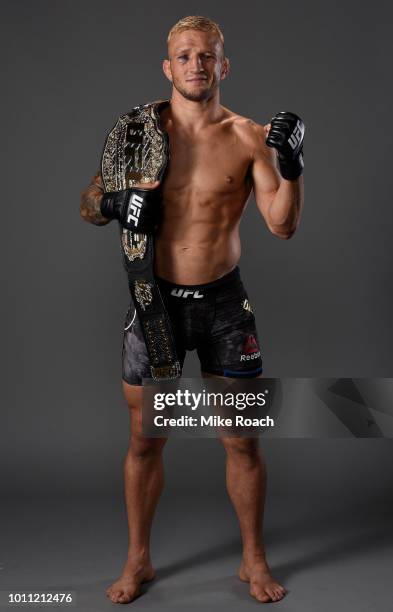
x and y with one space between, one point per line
197 96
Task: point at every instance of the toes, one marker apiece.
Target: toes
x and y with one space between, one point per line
124 599
277 596
115 595
270 592
263 597
260 595
125 596
279 591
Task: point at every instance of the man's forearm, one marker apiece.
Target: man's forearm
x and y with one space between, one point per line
285 208
90 206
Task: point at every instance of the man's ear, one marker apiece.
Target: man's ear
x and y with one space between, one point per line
166 67
225 68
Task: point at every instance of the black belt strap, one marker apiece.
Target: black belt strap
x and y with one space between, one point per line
137 151
155 322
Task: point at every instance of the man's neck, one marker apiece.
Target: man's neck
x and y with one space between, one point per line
195 115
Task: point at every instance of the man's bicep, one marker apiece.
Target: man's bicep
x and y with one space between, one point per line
266 179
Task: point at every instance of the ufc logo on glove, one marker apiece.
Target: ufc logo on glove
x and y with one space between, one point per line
135 208
296 136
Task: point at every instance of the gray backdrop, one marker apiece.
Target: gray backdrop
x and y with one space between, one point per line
323 299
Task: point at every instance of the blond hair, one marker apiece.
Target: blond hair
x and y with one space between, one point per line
196 22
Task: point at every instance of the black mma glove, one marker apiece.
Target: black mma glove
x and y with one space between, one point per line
286 136
138 210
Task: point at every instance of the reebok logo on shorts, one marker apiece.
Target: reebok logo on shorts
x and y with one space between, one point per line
250 349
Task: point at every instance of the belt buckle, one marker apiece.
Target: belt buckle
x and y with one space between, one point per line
167 372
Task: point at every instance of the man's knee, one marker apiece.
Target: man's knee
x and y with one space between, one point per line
242 449
145 448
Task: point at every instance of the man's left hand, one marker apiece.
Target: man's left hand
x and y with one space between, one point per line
286 133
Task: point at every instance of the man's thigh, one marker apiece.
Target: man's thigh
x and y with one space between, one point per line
232 349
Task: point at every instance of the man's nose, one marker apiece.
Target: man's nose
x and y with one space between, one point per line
196 64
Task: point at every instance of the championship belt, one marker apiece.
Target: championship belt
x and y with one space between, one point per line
137 151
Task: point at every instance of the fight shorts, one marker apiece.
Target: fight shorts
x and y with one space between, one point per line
215 318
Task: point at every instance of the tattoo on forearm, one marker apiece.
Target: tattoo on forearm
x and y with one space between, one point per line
91 201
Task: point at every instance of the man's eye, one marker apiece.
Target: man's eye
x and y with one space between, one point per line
182 58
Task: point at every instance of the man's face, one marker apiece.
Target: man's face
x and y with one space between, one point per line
196 64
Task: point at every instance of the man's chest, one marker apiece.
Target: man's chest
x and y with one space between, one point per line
214 162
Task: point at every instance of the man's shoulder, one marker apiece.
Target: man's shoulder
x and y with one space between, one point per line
251 133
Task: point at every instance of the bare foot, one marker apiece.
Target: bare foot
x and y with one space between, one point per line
127 588
262 585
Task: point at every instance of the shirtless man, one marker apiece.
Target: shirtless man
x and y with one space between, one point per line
217 159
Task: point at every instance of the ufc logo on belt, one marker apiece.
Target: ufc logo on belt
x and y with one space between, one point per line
135 209
295 137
